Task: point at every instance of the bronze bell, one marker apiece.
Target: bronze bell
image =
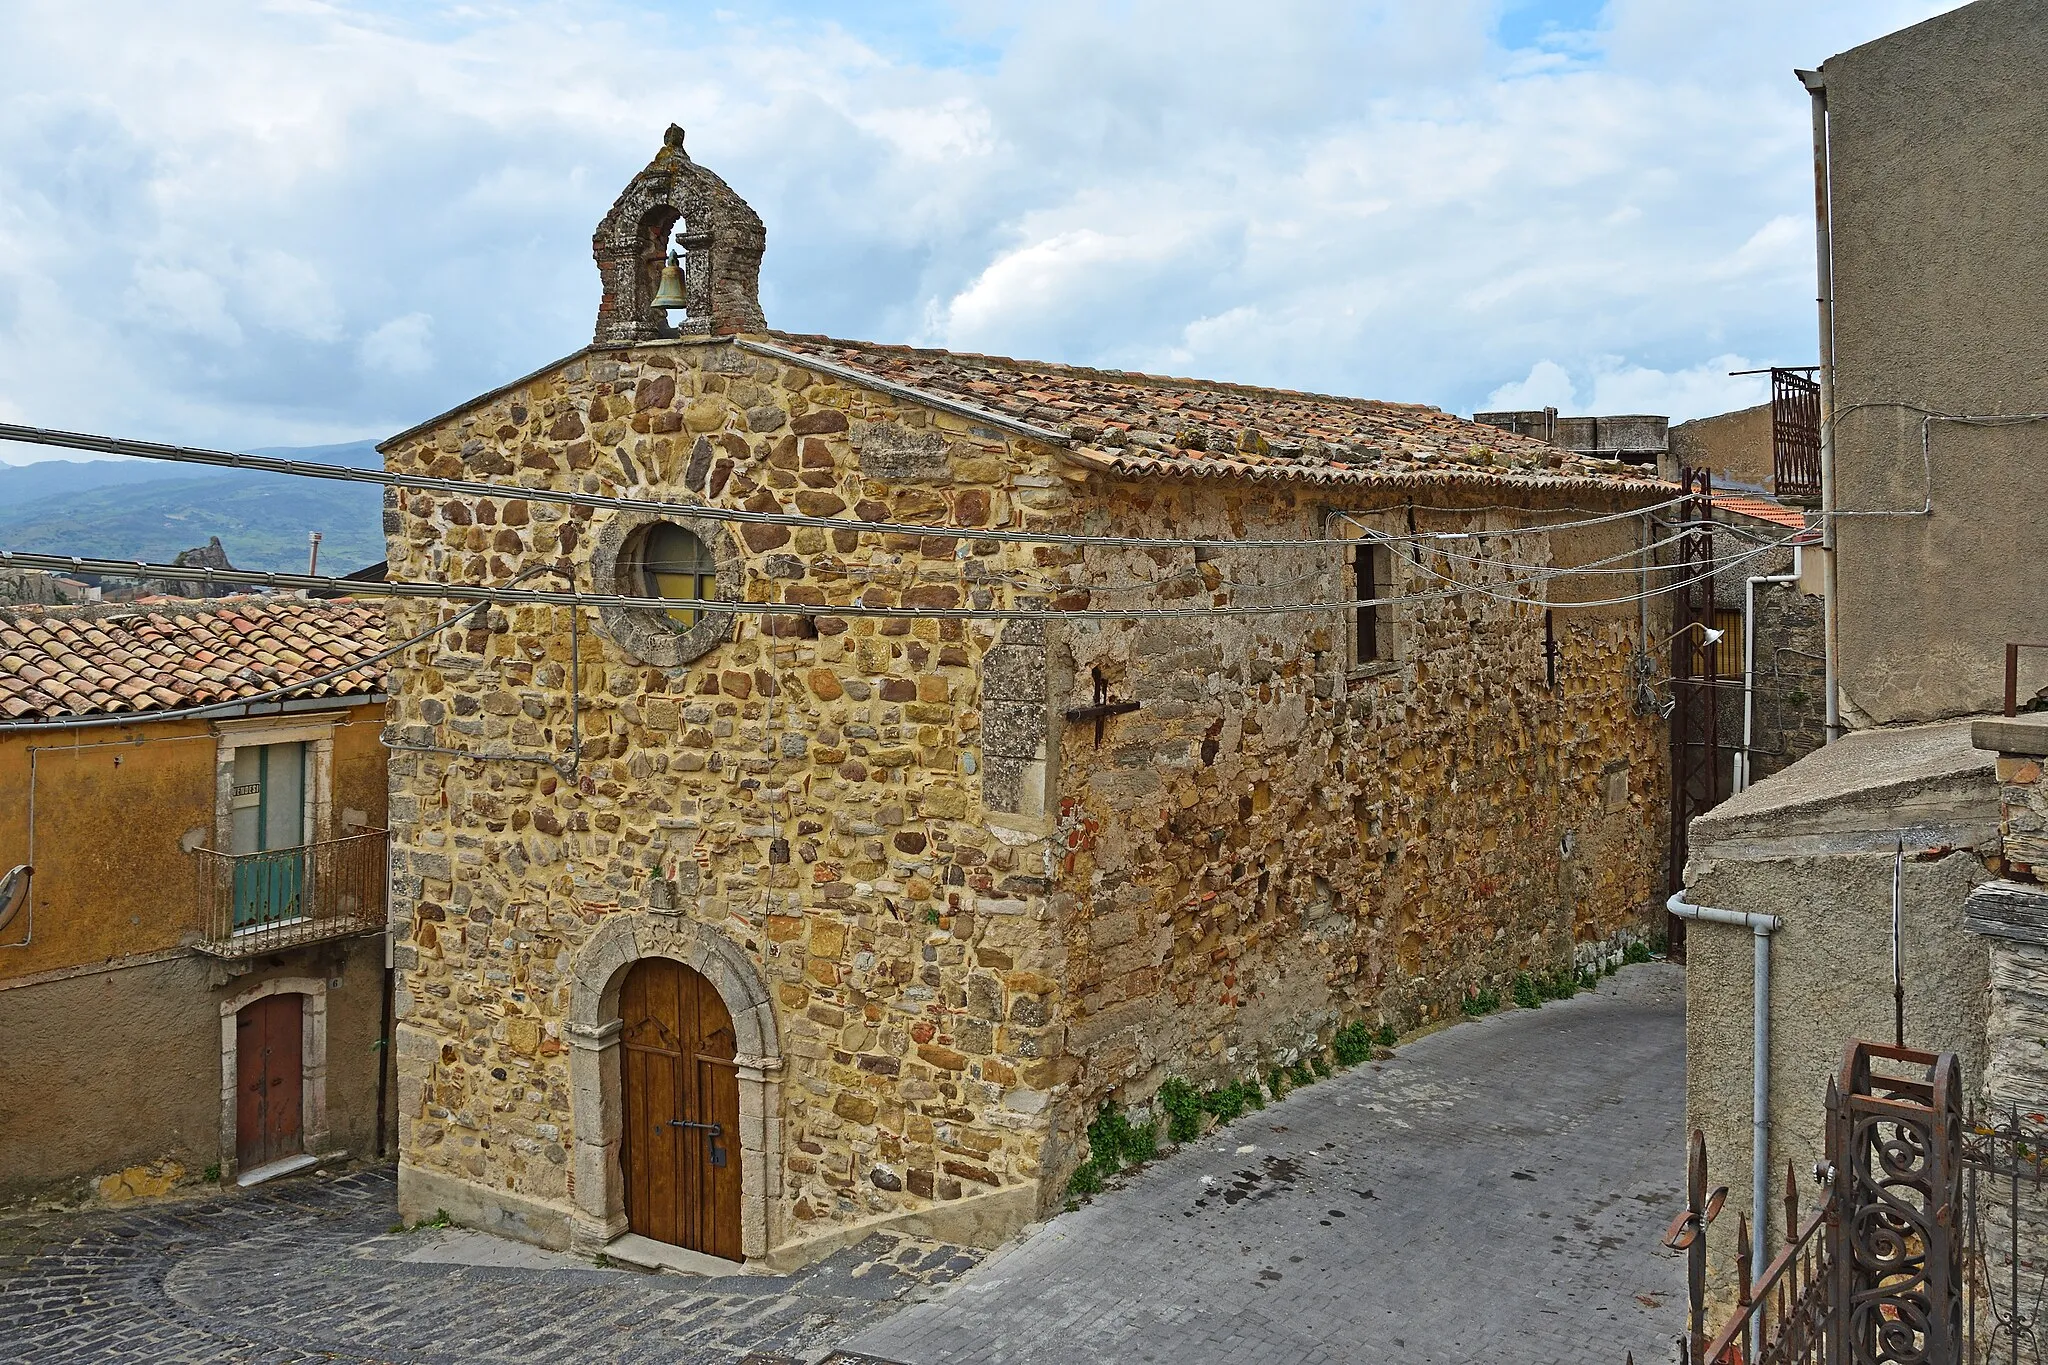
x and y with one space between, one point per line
670 294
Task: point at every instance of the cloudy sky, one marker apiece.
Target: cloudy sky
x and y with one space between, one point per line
251 224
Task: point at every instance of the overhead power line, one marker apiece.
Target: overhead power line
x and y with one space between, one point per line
466 592
311 469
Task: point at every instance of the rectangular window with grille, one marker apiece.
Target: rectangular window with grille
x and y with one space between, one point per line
1372 627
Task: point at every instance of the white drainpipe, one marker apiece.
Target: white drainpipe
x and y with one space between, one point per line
1762 926
1749 663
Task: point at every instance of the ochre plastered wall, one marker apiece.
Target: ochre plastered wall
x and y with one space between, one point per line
115 808
113 1058
887 816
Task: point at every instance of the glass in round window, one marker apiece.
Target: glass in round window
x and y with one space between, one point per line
675 563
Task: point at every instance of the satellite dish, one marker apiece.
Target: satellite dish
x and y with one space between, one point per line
14 893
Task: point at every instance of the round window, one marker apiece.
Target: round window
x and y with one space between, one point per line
675 563
678 557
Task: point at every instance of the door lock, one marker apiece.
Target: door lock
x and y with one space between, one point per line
714 1129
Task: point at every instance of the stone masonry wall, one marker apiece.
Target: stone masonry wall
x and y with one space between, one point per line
814 795
1790 702
871 809
1276 843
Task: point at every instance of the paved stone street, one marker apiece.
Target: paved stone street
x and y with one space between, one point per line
1494 1193
307 1270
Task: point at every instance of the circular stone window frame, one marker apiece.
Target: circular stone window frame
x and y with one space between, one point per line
642 632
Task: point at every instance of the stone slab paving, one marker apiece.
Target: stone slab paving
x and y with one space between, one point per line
1496 1193
1493 1193
308 1270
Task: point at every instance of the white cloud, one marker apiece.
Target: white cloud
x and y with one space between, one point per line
1548 386
1611 387
342 217
181 299
1696 391
402 346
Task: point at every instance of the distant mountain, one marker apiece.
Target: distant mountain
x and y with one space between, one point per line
150 510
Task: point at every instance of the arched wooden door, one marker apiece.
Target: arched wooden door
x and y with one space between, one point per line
681 1146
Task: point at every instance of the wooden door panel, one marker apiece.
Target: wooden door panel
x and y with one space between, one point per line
679 1078
269 1079
719 1093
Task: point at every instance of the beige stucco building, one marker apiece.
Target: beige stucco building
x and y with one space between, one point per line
1932 138
848 894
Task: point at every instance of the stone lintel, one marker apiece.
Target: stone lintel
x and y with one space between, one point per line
2027 735
2009 910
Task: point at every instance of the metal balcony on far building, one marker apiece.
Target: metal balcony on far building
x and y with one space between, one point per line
260 902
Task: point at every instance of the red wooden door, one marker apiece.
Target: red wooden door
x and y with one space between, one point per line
681 1149
269 1077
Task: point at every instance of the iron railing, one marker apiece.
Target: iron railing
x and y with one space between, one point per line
1930 1245
1795 434
259 902
2005 1230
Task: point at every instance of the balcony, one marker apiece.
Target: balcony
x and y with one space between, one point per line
256 903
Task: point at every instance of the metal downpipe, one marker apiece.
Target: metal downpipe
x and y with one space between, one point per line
1761 928
1824 275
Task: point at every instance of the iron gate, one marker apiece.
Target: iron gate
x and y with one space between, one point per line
1929 1244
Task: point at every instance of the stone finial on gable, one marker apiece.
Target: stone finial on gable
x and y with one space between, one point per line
721 237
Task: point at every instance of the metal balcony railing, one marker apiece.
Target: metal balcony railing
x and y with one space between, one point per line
260 902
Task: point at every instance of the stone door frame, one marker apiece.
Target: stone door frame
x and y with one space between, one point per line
312 1063
596 1083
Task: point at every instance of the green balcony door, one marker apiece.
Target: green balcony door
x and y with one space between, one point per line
269 834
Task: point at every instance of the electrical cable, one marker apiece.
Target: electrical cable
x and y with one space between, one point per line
1718 567
1929 416
150 450
476 592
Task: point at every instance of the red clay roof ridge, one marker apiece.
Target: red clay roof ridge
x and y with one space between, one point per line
1113 376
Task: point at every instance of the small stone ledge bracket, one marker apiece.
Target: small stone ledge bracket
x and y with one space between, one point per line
723 237
648 635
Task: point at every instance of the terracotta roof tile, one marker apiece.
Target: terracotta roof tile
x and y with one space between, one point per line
63 662
1760 509
1140 424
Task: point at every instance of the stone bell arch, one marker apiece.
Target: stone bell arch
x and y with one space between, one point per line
596 1100
722 239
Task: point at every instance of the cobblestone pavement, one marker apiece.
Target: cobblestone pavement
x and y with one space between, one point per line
1494 1193
307 1270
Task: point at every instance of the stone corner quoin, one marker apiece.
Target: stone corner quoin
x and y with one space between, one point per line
947 922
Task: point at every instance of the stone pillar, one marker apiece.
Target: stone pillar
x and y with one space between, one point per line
760 1085
2013 916
597 1182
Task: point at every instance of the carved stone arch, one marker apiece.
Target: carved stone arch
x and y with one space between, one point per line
596 1099
723 239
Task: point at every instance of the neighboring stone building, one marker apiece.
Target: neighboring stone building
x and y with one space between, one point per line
1735 447
195 977
747 929
1635 439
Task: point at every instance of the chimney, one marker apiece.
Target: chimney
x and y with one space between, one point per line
675 203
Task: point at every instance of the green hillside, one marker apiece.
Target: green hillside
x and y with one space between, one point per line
262 520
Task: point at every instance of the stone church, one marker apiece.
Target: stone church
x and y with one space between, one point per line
845 894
